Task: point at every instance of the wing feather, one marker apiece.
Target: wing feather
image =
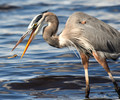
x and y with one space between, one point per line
101 36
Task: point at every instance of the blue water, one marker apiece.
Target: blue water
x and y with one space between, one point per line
47 73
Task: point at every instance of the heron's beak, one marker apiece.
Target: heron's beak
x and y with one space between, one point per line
29 41
21 39
34 31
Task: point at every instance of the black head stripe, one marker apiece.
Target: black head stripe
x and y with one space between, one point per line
44 11
38 18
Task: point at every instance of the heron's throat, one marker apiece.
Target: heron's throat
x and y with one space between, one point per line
49 35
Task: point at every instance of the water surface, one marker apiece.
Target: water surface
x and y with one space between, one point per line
47 73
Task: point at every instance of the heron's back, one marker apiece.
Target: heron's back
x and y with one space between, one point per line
104 38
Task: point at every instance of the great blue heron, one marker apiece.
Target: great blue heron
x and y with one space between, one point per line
90 36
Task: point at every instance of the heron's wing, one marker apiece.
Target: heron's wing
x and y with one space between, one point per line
102 36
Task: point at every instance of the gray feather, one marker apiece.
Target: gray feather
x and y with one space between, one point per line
101 36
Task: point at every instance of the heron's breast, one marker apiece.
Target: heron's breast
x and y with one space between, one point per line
62 41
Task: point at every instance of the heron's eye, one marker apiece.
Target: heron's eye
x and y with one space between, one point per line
34 25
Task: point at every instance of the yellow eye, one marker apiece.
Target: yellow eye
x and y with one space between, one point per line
35 24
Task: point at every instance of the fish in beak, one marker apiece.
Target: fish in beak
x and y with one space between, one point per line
33 28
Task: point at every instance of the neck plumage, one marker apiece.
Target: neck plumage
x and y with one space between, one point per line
49 34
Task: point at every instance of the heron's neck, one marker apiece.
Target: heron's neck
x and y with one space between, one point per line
49 34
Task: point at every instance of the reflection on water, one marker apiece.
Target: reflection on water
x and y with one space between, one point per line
54 85
46 72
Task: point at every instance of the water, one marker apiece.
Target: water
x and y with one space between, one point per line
47 73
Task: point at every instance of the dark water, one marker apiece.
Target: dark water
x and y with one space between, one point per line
47 73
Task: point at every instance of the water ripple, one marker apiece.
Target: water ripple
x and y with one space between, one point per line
46 72
8 7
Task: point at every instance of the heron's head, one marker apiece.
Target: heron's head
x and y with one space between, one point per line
35 27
